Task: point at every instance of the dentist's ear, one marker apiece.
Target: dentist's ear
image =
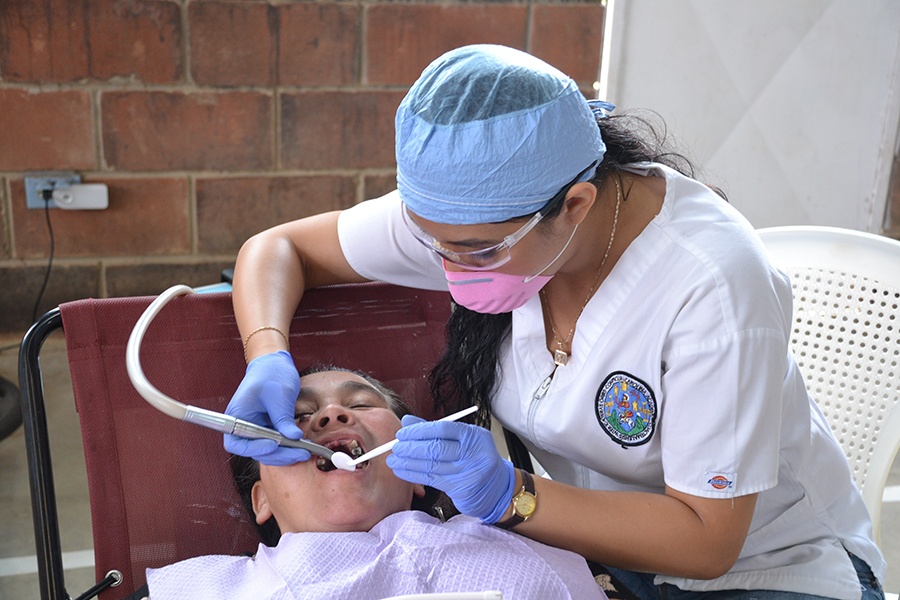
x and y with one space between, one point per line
578 202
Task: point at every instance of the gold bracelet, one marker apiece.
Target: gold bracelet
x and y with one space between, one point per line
263 328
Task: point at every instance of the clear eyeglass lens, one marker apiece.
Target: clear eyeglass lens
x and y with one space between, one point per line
479 260
476 260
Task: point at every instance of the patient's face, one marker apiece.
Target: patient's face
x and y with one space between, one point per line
338 410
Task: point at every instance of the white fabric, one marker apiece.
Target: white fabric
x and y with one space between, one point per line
694 312
406 553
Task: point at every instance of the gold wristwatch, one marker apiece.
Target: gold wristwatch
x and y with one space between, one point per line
524 503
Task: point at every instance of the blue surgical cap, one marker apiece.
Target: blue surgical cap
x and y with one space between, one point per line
488 133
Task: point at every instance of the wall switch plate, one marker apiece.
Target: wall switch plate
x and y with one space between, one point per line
36 183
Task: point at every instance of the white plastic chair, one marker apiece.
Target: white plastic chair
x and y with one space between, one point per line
846 339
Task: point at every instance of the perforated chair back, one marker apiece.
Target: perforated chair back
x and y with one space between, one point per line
846 290
161 490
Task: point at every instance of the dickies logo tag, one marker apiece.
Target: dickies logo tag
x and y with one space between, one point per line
720 482
626 409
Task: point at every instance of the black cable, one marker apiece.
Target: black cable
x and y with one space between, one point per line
48 196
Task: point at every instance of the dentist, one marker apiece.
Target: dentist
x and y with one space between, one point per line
615 313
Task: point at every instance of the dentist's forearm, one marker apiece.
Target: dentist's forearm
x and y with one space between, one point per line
273 270
671 533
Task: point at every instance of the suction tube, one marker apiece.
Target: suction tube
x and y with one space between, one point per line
192 414
168 405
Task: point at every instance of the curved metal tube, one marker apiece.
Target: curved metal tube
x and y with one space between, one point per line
192 414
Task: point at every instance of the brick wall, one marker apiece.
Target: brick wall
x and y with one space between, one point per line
212 120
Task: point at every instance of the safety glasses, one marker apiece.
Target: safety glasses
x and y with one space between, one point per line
492 257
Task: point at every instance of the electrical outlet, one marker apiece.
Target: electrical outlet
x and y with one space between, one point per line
36 183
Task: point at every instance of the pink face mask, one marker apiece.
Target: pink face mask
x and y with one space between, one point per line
494 293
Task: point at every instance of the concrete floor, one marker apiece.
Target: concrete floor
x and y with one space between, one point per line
18 570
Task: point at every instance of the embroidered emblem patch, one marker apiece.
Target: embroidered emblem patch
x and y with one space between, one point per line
626 409
720 482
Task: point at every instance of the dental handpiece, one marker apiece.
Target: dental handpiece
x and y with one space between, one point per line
245 429
192 414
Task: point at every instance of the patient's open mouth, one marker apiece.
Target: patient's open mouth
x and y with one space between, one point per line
351 448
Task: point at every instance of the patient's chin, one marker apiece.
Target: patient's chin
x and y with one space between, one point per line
353 519
344 506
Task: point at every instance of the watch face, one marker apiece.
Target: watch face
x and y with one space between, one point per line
525 504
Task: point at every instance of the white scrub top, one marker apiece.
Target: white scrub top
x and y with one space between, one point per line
680 375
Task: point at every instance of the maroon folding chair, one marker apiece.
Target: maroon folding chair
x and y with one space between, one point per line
161 490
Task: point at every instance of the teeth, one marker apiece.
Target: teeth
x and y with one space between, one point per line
355 450
352 448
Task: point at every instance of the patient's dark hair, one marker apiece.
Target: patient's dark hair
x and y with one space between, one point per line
246 470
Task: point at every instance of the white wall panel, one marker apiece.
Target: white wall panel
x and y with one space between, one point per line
792 106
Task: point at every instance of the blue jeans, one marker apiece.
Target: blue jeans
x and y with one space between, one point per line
641 585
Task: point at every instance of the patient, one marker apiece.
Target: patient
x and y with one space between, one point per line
329 533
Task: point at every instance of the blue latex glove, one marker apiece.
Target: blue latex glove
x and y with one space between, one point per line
458 459
268 396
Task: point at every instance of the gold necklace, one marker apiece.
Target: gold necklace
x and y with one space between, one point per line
560 356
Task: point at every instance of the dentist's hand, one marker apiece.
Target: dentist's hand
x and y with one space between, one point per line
458 459
267 396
